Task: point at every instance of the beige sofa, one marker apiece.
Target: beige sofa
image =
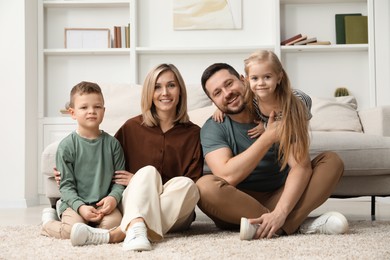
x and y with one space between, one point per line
361 138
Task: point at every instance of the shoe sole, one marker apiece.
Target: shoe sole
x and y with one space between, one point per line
135 248
244 225
76 241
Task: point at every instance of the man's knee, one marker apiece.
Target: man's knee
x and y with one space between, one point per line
210 187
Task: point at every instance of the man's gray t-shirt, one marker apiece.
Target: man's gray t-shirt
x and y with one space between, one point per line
266 176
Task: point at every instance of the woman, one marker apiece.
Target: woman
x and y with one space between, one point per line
163 160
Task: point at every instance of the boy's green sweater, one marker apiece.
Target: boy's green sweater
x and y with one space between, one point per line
87 167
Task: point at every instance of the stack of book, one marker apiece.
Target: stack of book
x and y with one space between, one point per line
300 39
121 37
351 28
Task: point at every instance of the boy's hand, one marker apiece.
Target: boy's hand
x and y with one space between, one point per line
257 130
106 205
122 177
218 116
90 214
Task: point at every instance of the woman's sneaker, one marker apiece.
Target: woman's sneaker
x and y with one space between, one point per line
331 223
137 238
247 230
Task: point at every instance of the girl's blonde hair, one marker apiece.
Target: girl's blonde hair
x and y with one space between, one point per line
294 135
149 114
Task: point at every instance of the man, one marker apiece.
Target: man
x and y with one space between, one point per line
247 184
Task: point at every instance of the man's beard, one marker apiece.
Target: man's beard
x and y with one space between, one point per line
236 111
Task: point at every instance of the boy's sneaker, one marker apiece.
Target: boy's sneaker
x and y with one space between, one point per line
58 205
136 238
331 223
82 234
49 214
247 230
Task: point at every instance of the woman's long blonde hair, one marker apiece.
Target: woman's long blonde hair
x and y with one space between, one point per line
149 114
294 135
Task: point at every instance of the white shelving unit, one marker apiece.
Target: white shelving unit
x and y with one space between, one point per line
319 70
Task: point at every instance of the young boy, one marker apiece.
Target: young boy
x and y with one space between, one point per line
87 160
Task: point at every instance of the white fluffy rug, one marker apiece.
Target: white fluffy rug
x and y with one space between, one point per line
365 240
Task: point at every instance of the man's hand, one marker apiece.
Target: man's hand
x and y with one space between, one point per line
122 177
272 128
269 224
106 205
90 214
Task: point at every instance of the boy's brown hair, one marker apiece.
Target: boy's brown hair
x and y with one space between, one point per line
84 87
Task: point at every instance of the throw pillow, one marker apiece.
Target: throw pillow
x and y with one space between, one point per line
196 98
335 114
199 116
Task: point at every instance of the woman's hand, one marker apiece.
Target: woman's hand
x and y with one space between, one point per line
57 176
218 116
122 177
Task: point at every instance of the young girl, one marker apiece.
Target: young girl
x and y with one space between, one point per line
270 90
270 84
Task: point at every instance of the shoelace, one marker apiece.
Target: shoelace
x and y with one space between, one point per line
137 232
96 238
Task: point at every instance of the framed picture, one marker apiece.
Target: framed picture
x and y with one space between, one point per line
87 38
207 14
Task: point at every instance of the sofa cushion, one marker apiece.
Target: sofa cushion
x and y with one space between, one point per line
363 154
122 101
335 114
200 115
196 98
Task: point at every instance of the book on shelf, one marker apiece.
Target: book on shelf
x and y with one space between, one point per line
308 40
291 39
117 37
320 43
303 37
356 29
121 36
340 26
127 32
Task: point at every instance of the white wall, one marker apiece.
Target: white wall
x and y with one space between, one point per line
18 131
382 49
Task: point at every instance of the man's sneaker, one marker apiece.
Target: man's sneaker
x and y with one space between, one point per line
331 223
136 238
82 234
49 214
247 230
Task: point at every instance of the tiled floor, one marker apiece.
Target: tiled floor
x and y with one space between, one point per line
353 209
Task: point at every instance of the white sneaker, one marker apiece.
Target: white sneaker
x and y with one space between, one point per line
331 223
136 238
82 234
49 214
58 205
247 230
